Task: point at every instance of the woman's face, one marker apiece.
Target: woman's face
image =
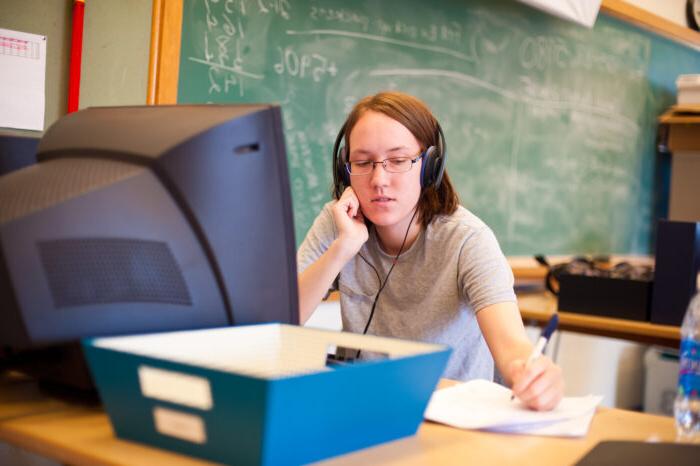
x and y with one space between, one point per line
387 199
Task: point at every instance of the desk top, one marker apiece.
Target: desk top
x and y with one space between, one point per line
82 435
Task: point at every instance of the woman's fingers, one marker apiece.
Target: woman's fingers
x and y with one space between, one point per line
348 218
348 202
540 385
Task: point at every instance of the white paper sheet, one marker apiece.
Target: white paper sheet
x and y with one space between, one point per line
22 79
583 12
484 405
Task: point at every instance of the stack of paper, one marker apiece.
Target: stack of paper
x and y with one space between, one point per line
484 405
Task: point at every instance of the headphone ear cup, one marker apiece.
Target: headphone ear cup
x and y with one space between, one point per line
341 178
439 168
343 174
440 158
428 169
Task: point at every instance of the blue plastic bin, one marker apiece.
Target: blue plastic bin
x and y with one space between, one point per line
262 394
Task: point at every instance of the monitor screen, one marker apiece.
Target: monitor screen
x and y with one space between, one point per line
143 219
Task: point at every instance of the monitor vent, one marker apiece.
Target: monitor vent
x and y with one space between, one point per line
108 270
49 183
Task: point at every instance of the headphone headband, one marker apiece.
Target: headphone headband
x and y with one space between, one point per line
432 168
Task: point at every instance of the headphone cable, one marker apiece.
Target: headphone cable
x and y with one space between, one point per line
386 279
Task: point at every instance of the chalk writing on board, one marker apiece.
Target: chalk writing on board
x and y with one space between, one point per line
388 40
279 7
341 15
222 46
312 65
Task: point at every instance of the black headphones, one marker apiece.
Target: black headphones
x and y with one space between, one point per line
434 159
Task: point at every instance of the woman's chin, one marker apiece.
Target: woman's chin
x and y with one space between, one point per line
381 219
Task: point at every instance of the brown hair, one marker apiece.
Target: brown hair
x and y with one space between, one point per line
419 120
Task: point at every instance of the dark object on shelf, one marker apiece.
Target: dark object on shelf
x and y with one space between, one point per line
578 265
622 298
677 267
590 285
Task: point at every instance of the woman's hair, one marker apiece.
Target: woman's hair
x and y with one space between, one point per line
419 120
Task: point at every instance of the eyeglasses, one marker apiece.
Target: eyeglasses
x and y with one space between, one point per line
392 165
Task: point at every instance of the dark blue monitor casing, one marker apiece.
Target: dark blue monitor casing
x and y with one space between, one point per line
141 219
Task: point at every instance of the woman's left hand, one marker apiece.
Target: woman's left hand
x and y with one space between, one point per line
540 385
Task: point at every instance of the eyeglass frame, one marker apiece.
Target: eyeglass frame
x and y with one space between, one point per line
383 162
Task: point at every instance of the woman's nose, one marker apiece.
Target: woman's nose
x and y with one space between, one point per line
379 174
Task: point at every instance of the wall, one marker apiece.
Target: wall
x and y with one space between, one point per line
116 41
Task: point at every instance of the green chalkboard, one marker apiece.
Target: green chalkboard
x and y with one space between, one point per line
550 126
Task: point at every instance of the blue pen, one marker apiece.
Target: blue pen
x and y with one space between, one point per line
542 341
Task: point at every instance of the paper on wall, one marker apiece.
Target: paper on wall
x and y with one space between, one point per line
22 80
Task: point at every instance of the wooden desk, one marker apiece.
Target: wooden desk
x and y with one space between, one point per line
83 436
538 307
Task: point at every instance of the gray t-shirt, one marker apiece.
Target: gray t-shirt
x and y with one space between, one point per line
454 269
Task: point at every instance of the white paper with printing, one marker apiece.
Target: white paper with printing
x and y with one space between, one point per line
22 79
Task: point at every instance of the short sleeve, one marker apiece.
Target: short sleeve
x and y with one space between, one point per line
484 273
317 240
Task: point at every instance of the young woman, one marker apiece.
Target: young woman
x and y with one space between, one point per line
412 263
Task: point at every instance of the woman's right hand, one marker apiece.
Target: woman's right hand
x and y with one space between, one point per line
318 277
348 218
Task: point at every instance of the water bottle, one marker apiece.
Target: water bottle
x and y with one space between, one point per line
686 407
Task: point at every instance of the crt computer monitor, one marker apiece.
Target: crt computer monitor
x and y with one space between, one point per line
150 218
